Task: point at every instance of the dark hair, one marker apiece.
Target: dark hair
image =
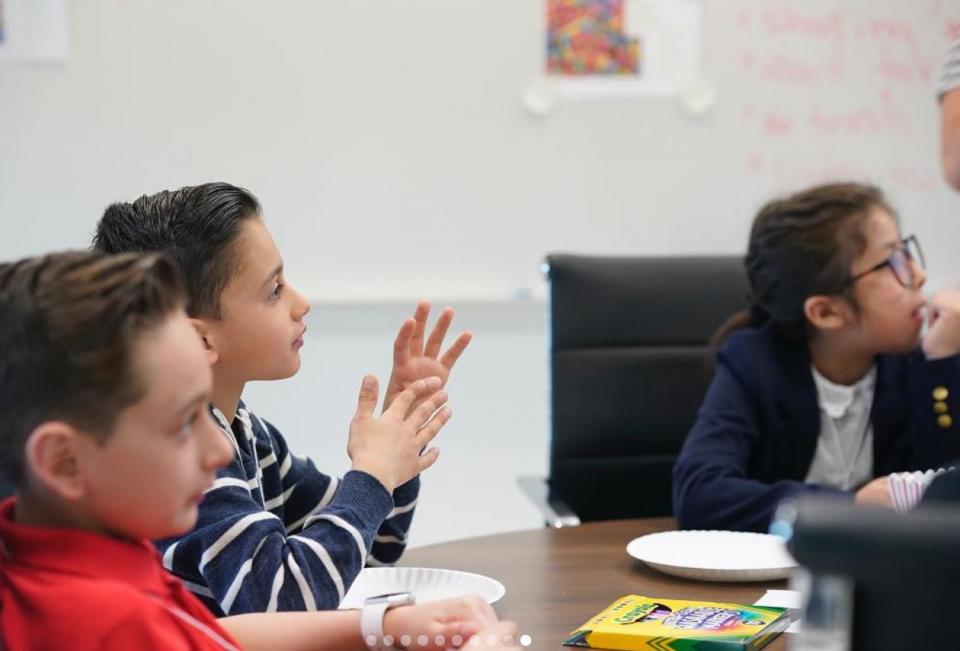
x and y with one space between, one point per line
197 226
68 325
801 246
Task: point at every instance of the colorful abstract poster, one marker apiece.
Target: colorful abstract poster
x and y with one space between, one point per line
621 47
2 23
586 37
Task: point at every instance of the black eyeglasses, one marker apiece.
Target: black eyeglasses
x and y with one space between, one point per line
900 262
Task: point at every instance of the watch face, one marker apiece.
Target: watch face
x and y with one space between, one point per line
392 599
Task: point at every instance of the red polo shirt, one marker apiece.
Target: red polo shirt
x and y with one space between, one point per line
72 589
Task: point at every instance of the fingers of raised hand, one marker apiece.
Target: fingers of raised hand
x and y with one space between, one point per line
419 389
421 412
420 316
429 431
401 345
439 332
456 349
427 459
367 400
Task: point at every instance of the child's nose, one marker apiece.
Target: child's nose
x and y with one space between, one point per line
301 305
919 274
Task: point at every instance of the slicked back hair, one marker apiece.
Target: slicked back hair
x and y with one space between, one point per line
198 226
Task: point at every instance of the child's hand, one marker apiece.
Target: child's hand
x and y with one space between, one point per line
411 361
876 493
943 319
446 624
389 447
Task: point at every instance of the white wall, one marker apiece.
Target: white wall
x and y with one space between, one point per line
498 392
390 149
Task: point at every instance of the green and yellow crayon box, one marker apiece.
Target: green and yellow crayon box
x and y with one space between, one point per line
637 622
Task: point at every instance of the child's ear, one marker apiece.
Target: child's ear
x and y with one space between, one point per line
53 460
825 312
208 338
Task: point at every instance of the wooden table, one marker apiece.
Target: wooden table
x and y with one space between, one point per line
556 579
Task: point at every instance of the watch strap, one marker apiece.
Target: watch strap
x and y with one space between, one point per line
371 625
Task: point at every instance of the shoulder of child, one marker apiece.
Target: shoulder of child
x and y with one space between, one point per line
747 346
82 613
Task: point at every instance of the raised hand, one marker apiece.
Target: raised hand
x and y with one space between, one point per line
389 447
414 358
943 321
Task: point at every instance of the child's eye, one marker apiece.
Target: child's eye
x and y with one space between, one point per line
187 428
277 290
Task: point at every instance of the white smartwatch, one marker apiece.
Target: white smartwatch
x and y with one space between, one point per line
371 617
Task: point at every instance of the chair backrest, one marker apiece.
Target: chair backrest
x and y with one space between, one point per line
629 342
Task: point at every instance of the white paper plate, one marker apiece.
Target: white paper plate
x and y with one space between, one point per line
426 583
715 555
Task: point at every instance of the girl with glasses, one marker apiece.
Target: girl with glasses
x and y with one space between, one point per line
823 385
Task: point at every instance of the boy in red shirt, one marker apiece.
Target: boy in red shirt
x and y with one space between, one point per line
109 441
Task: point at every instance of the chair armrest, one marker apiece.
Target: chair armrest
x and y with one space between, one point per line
555 511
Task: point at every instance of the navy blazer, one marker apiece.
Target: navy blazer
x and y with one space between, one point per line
756 433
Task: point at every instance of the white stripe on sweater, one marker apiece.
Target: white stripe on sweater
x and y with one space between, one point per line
328 563
168 557
285 465
399 510
327 496
343 524
275 590
196 588
308 600
279 500
268 461
224 482
242 573
390 539
231 534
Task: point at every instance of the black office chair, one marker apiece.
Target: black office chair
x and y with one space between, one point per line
628 366
905 568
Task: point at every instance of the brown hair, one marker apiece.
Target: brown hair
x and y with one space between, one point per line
68 326
800 246
198 226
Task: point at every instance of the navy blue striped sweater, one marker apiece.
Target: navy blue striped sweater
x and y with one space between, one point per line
274 533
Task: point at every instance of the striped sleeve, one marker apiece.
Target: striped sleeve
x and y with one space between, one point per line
248 554
307 493
391 538
950 75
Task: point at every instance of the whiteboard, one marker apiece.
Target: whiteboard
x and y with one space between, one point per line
394 159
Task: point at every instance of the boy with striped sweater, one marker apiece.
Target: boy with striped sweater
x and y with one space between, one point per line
274 533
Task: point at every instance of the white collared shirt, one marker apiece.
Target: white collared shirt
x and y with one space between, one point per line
844 454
